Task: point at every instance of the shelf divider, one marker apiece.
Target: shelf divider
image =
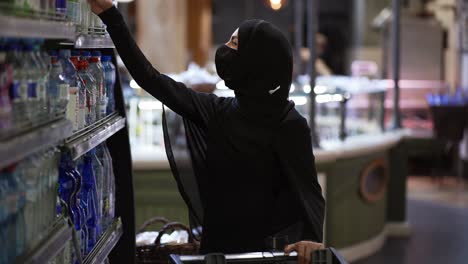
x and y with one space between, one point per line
41 138
49 247
90 137
22 27
105 244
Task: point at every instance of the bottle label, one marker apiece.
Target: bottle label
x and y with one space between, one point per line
41 90
14 90
81 109
64 92
32 90
72 107
23 90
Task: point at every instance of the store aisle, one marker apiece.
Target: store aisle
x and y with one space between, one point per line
440 235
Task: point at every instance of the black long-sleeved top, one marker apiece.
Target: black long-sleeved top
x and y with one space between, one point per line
259 180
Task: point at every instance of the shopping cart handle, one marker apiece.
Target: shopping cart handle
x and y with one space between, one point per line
324 256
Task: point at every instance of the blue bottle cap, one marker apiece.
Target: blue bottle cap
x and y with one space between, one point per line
106 58
75 53
53 53
28 48
64 53
96 53
85 53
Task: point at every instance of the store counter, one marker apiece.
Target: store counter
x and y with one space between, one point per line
363 180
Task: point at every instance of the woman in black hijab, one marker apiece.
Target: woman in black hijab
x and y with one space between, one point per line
253 168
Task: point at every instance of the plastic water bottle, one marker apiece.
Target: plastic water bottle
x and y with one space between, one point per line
28 85
70 77
57 88
110 187
89 194
81 94
61 8
6 79
4 214
73 11
91 92
97 71
98 169
109 82
14 60
42 79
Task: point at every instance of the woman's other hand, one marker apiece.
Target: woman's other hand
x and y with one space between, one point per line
304 250
99 6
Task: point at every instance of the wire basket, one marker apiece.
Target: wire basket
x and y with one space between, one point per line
158 253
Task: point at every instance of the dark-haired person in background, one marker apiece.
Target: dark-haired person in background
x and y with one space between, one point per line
253 153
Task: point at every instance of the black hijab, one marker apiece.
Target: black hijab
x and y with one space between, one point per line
264 71
264 67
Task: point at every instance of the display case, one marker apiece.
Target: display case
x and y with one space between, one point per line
346 106
37 224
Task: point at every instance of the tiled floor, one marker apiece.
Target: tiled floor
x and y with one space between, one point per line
438 215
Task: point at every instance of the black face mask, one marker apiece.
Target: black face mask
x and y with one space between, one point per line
228 66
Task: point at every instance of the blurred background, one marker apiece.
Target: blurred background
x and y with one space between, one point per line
383 86
385 180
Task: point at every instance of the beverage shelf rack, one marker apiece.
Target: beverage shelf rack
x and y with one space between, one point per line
115 244
26 27
59 233
27 143
23 27
105 244
92 136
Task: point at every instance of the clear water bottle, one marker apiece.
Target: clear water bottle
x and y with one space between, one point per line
57 88
89 194
32 71
70 77
110 182
97 71
6 79
81 93
69 190
8 201
98 168
91 92
42 80
108 175
61 9
109 82
85 17
74 11
13 59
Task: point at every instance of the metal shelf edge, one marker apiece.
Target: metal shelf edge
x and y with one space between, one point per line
13 26
105 244
46 136
49 247
95 136
96 42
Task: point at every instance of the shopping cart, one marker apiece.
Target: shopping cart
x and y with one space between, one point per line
324 256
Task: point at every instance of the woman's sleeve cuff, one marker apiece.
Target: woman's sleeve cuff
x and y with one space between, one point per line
111 16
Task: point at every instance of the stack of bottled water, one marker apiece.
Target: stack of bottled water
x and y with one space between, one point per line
27 202
46 185
87 188
36 87
76 11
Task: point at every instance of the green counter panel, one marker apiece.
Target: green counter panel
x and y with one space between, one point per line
351 219
156 194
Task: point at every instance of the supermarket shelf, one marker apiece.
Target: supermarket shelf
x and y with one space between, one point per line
35 28
25 144
105 244
88 138
94 42
45 250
